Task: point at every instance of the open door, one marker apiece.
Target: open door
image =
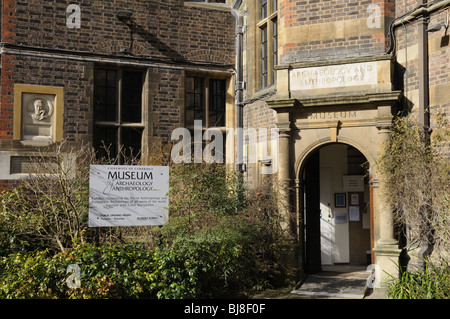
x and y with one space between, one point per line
312 215
326 218
336 210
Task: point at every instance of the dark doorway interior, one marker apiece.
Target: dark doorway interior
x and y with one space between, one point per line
356 239
312 215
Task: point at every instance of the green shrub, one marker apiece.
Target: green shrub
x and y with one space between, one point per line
202 266
106 272
431 283
170 278
205 264
112 271
227 236
218 240
201 194
219 258
26 276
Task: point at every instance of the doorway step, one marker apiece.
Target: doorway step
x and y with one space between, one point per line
340 282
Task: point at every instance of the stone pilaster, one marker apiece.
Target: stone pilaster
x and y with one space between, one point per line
386 248
284 178
285 187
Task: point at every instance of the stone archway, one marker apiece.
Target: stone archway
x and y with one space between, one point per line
302 131
331 233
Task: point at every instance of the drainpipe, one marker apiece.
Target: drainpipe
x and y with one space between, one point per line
424 112
240 167
424 107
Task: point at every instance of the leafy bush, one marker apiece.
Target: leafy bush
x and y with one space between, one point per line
201 194
228 235
21 276
106 272
218 258
198 266
220 238
416 175
431 283
50 208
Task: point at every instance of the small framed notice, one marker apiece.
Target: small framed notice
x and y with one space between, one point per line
339 200
340 218
354 199
353 212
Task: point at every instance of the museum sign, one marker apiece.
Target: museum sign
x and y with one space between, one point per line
122 195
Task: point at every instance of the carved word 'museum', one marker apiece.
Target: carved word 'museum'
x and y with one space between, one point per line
332 115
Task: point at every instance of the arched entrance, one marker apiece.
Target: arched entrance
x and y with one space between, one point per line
335 222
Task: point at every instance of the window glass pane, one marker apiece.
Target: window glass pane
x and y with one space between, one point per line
131 107
275 48
100 77
131 142
264 56
198 85
216 152
189 84
275 5
105 142
111 78
217 99
105 95
195 108
263 9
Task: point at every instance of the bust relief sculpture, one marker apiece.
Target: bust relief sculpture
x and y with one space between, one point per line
40 112
37 116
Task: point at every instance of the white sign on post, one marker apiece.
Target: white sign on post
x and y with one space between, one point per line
122 195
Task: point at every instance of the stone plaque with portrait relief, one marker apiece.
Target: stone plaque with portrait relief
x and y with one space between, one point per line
37 116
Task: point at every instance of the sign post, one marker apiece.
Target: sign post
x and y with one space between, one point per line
122 195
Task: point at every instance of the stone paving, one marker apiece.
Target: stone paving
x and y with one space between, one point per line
339 282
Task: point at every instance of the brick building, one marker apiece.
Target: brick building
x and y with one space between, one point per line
123 73
330 75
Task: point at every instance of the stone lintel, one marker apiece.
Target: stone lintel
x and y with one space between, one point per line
283 105
384 98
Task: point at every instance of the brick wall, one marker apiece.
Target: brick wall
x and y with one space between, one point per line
257 116
404 6
7 97
332 29
165 32
439 75
408 66
164 38
72 75
160 29
167 102
326 30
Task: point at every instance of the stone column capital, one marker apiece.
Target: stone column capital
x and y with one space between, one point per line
384 124
284 128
